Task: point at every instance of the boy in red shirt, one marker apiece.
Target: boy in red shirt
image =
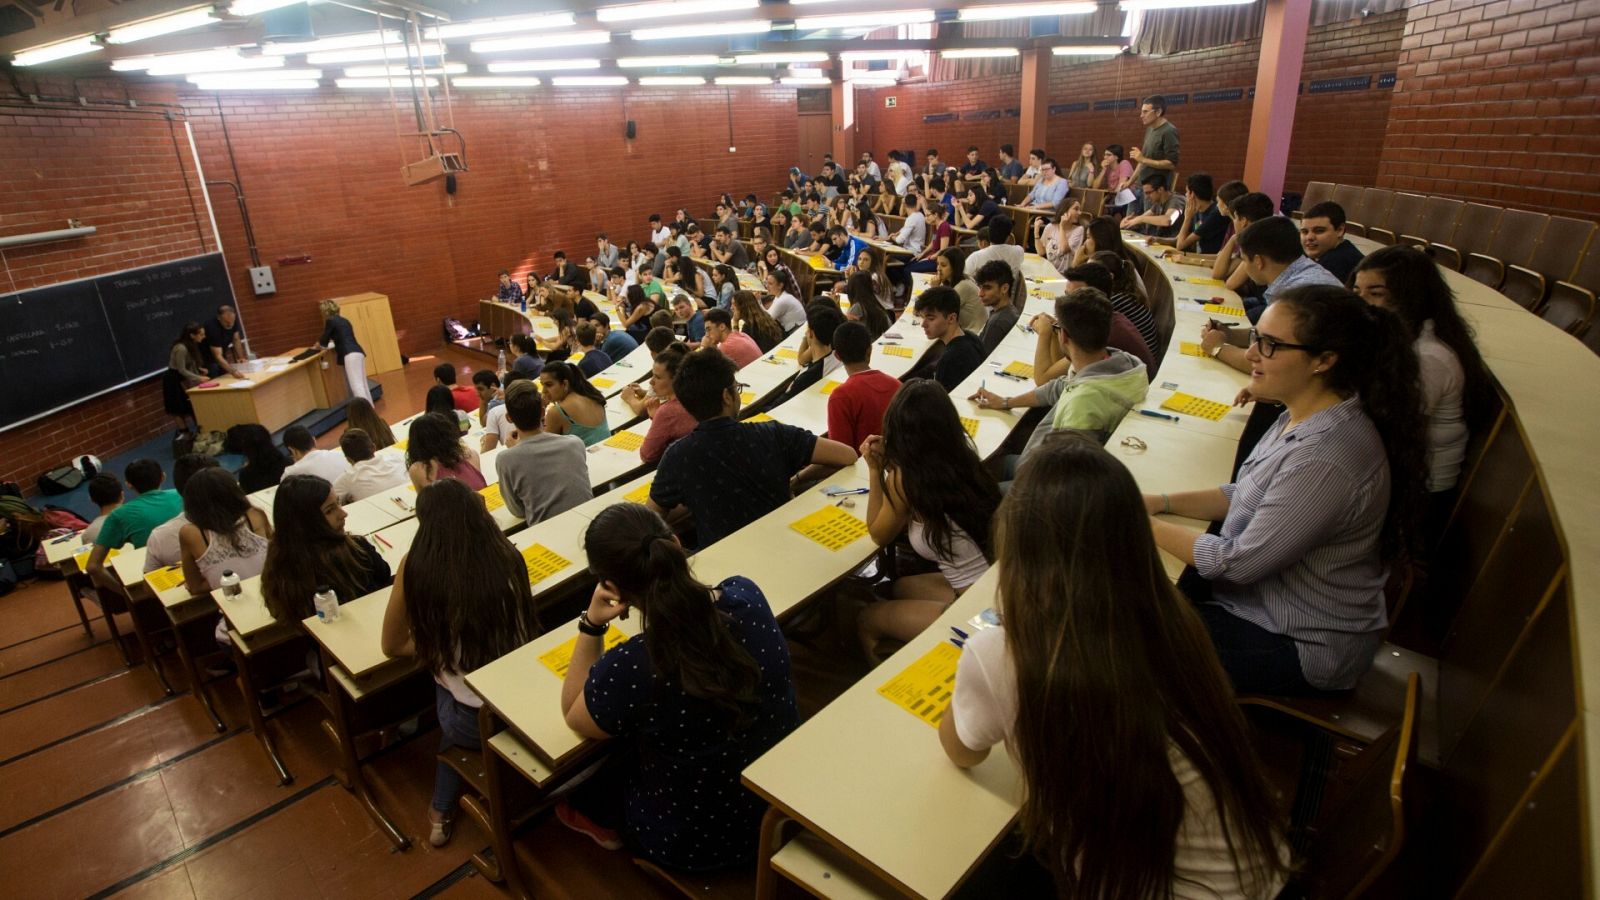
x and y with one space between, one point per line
464 396
855 408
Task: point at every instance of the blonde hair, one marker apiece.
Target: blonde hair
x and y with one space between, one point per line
329 308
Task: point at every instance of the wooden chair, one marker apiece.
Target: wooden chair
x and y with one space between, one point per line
1475 228
1513 244
1356 842
1093 202
1571 308
1402 219
1373 210
1559 251
1316 192
1348 196
1436 224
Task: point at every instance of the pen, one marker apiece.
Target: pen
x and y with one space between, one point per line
848 492
379 539
959 633
400 503
64 538
1157 415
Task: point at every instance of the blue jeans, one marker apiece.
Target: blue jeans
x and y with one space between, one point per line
458 727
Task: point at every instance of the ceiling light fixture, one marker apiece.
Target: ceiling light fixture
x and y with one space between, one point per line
267 75
645 62
543 65
157 27
709 29
240 83
504 25
979 53
398 84
1147 5
77 46
636 11
369 54
404 71
732 80
805 80
1089 50
671 80
541 41
865 20
1023 11
756 59
256 7
850 56
590 81
336 42
480 81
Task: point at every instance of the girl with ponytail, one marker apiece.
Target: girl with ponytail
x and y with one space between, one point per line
704 691
1293 585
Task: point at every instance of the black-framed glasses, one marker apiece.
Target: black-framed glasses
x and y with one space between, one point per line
1271 345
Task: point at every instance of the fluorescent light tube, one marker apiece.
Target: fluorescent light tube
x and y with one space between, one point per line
270 75
1023 11
403 71
336 42
504 25
590 81
217 64
795 79
1089 50
875 55
731 80
636 11
541 41
369 54
755 59
670 80
865 20
642 62
150 28
1145 5
708 29
543 65
77 46
256 7
399 84
481 81
979 53
196 57
253 84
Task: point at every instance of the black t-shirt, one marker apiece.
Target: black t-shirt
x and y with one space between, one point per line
338 330
1210 227
218 336
961 357
584 308
1341 260
730 473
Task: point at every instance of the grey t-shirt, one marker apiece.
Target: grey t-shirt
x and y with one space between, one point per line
544 475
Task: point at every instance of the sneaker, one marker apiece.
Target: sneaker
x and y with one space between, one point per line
582 824
439 835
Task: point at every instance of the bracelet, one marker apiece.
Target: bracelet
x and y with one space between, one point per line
1166 504
587 627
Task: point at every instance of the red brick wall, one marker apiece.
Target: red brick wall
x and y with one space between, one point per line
1497 102
115 169
1336 135
321 173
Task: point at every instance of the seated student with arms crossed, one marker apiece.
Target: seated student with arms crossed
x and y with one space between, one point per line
460 601
1099 388
310 549
726 473
370 473
1098 660
132 522
925 479
543 474
961 352
434 452
226 533
1292 587
699 696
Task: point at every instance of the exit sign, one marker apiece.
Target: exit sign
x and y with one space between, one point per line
890 102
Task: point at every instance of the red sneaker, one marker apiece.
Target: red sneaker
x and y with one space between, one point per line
582 824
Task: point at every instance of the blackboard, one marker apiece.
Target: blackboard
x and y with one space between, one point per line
65 343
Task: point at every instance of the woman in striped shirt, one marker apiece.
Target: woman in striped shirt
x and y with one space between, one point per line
1292 588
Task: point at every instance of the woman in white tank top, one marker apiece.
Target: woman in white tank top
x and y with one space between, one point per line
225 532
925 479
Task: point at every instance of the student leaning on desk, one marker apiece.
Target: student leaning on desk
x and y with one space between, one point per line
1099 660
310 549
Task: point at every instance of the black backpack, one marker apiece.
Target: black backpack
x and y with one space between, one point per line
68 477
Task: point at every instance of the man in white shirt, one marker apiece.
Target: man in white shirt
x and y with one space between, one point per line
995 243
498 430
308 460
369 473
660 235
872 166
914 234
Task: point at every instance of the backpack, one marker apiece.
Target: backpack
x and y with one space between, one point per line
65 478
455 331
209 443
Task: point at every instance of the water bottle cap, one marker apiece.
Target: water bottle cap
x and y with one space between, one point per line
227 573
323 588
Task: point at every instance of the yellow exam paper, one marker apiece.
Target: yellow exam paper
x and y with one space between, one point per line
924 688
1221 310
559 658
897 350
625 440
639 494
831 527
491 497
1190 405
543 562
164 579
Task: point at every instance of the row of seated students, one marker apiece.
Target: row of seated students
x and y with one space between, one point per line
1286 598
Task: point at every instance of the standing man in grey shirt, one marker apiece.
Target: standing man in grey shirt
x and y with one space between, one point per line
1159 153
543 474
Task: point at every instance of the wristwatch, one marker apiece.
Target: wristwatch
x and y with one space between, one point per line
589 628
1216 351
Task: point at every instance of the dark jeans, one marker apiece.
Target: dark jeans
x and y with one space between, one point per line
458 727
1257 661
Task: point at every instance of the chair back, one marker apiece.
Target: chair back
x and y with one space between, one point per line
1437 222
1371 211
1571 308
1316 192
1402 219
1518 235
1348 196
1561 248
1475 229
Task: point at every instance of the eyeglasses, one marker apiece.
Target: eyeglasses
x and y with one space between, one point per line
1270 345
740 387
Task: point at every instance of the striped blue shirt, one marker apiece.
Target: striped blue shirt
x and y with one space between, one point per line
1298 553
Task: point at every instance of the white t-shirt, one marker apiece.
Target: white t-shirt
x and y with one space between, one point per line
985 709
660 237
1011 253
161 549
1443 380
496 422
787 310
371 476
325 464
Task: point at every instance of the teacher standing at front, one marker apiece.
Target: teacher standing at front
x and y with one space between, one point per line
338 334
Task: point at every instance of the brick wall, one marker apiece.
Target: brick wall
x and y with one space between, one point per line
321 173
1497 102
1336 135
115 169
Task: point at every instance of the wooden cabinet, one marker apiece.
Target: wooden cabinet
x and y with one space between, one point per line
374 326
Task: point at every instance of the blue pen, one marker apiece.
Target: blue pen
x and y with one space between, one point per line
959 633
1157 415
959 644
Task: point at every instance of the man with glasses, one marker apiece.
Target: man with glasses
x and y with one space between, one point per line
1271 256
1050 189
1159 153
727 473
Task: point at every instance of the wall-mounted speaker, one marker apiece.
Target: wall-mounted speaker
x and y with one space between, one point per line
632 130
450 183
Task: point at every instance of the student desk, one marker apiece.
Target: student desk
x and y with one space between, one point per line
193 617
61 553
502 320
616 457
809 409
283 391
1037 268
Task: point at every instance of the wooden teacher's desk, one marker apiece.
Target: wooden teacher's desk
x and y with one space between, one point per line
283 390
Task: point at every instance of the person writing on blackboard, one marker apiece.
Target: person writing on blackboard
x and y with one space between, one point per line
338 334
183 372
224 342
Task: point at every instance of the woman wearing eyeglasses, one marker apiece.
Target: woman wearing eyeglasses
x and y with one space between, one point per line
1292 587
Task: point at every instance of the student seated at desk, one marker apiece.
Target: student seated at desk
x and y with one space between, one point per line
754 321
263 461
542 475
307 459
669 421
497 429
528 361
616 343
575 406
638 303
728 473
1292 587
724 281
721 336
961 352
688 321
132 522
1099 387
861 290
463 397
698 697
951 270
369 473
856 408
1107 273
925 479
486 384
460 601
161 549
785 293
225 533
310 549
359 413
105 492
1122 680
815 355
434 452
439 402
1229 264
591 359
996 290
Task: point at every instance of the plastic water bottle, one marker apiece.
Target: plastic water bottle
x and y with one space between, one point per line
248 353
500 362
326 603
230 585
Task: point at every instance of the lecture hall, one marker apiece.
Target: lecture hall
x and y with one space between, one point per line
1092 449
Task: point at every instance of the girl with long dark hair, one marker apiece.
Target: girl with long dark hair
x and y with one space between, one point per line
574 405
263 461
754 320
310 549
927 480
698 697
461 600
440 402
185 369
1099 661
434 452
359 413
1292 586
226 533
864 305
